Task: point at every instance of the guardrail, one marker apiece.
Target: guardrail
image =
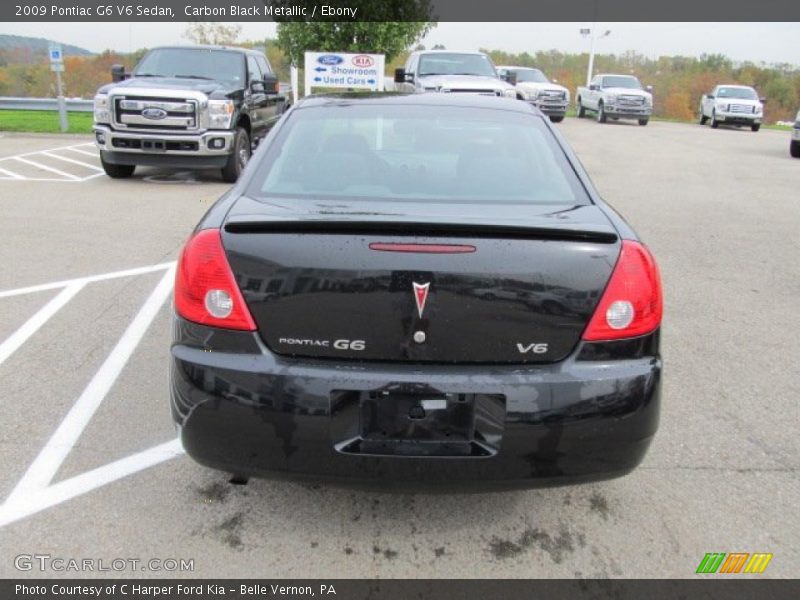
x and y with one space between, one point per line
78 105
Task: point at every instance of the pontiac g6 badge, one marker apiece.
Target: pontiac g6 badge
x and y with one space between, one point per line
421 295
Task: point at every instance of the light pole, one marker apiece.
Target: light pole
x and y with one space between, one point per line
591 34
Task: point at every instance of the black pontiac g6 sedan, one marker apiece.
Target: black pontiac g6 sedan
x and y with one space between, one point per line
416 290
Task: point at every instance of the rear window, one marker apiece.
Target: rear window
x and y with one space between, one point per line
401 152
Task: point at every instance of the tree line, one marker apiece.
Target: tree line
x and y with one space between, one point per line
678 81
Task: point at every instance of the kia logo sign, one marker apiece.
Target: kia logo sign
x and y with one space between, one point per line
154 113
363 61
330 60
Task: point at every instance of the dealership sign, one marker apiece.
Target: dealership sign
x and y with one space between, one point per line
344 71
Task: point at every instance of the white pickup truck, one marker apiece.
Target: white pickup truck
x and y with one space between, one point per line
794 145
615 97
734 105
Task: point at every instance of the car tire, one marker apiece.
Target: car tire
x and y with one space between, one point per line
117 171
755 127
794 149
581 110
556 119
703 117
714 122
238 159
643 122
601 114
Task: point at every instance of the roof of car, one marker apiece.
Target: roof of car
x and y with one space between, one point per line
432 99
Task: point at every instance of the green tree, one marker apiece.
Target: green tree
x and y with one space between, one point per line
394 25
213 33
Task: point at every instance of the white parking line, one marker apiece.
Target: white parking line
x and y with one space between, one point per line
46 465
72 160
62 491
10 174
47 168
34 152
89 279
32 325
84 152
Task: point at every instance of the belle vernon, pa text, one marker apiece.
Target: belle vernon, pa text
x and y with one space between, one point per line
188 591
140 10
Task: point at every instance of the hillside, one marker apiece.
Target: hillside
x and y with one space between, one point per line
33 46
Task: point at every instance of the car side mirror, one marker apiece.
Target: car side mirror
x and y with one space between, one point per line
257 87
270 84
710 96
762 99
649 88
118 73
400 75
594 87
511 78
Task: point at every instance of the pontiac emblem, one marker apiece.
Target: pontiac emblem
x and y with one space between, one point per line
421 295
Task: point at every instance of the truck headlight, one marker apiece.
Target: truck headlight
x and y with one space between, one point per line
721 107
512 93
220 113
532 95
611 99
102 114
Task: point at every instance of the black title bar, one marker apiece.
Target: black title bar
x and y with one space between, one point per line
400 10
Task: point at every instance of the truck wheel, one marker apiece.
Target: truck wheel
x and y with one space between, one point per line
581 110
556 119
755 126
794 149
714 122
643 122
703 118
117 171
237 160
601 113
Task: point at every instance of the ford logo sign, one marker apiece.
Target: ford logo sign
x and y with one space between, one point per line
330 60
154 113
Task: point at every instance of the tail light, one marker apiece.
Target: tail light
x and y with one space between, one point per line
632 303
205 290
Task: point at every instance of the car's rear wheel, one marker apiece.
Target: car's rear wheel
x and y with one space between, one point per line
643 122
556 119
714 122
116 171
601 113
794 149
755 126
581 110
237 160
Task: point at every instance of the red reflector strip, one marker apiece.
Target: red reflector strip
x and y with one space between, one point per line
422 248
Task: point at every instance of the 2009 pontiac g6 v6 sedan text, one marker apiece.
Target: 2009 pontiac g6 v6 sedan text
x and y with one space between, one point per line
417 290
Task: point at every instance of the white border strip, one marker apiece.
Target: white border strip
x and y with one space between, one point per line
33 163
72 160
45 466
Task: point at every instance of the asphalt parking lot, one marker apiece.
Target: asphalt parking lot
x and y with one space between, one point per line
90 467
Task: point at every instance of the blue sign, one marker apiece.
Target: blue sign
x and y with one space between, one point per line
330 59
55 54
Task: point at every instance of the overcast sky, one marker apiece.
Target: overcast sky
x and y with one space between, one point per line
767 42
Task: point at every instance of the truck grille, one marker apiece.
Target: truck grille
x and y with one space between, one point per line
631 100
155 114
741 108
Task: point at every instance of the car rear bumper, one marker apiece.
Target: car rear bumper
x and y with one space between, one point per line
242 409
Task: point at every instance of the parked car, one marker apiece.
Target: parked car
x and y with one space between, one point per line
451 72
418 381
732 105
615 97
533 86
188 107
794 144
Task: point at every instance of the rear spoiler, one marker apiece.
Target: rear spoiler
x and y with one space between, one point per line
566 232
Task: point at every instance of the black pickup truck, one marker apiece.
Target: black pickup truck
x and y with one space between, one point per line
187 107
